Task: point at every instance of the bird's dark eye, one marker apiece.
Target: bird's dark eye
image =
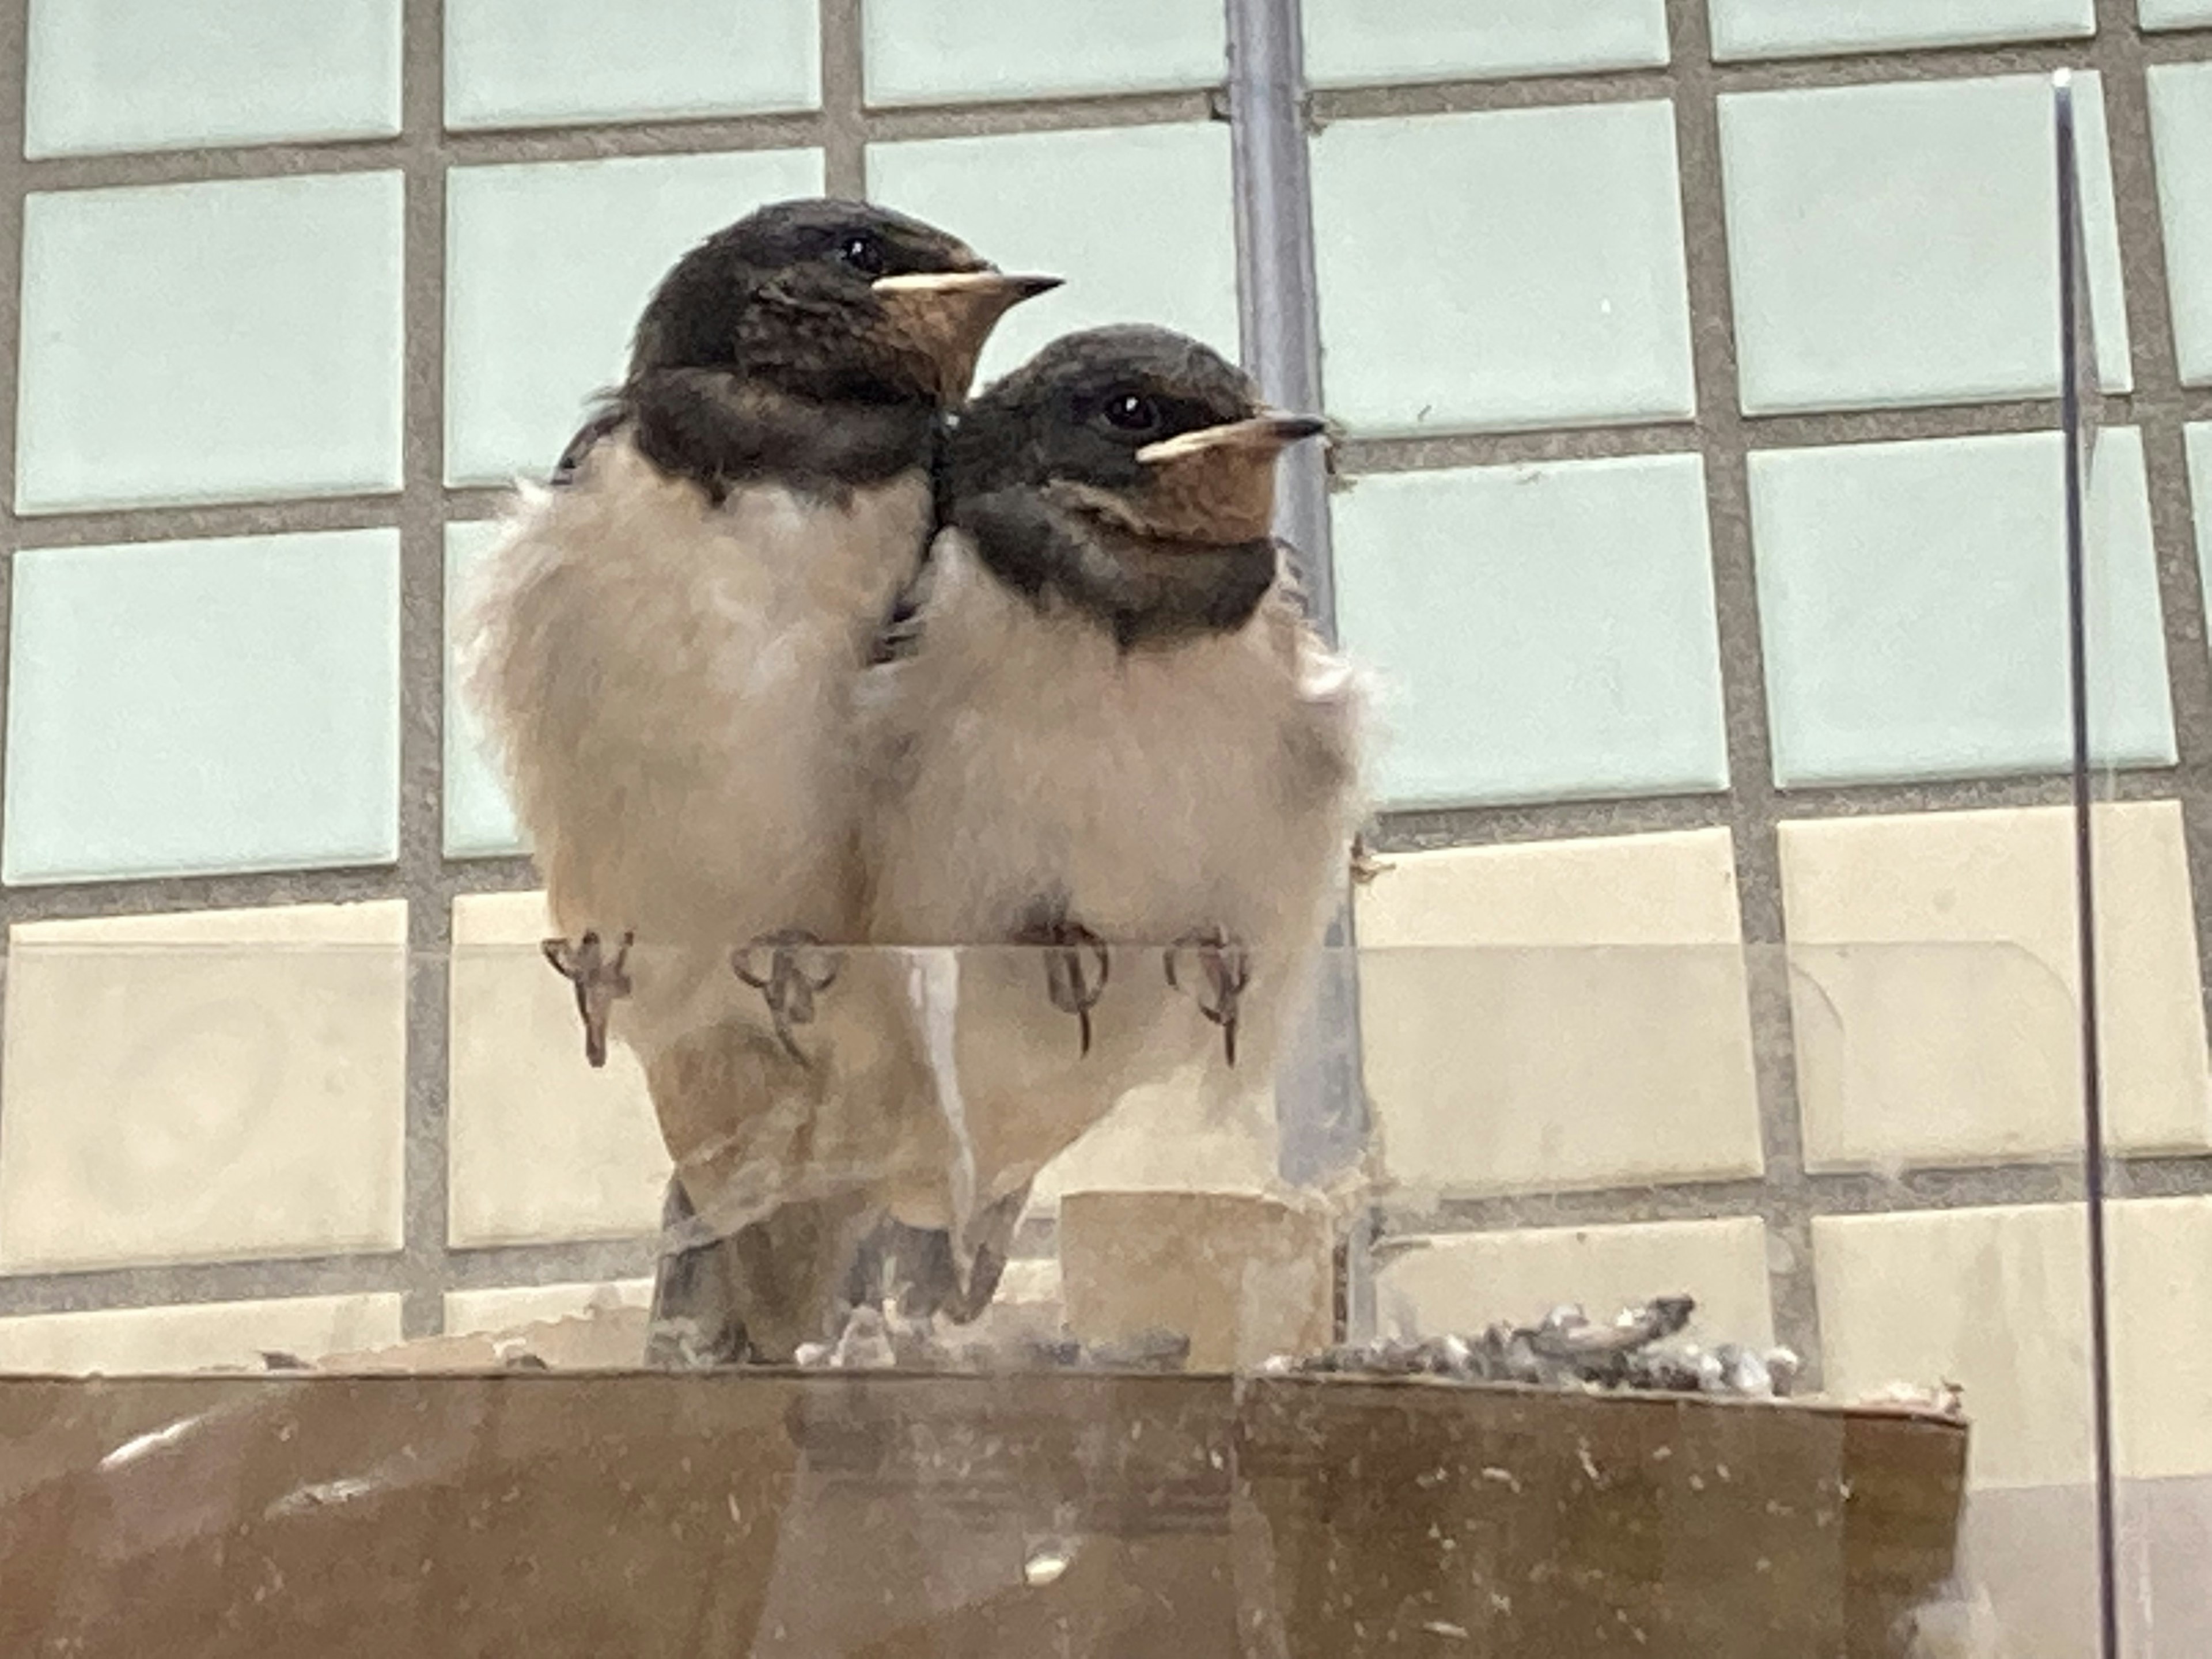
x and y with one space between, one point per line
1132 411
864 254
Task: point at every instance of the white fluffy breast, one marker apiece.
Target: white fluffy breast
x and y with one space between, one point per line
669 684
1023 757
1208 784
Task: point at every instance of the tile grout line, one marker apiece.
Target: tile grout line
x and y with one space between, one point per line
2052 1183
421 713
798 128
13 79
2053 1180
1752 811
1356 457
1362 455
844 126
2120 61
501 1267
1482 94
1424 829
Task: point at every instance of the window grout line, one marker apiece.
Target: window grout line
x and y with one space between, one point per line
422 650
13 78
521 1265
2054 1179
839 125
2120 60
1751 798
1356 457
1548 90
2046 1180
1413 829
844 123
1398 831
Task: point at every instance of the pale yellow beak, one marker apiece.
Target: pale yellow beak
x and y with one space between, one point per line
1267 436
1216 487
949 314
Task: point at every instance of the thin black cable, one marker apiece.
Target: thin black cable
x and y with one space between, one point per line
2071 376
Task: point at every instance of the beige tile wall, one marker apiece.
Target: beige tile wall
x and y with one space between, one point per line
1559 1014
202 1086
119 1341
1934 986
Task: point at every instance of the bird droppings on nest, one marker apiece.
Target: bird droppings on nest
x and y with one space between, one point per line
1567 1350
882 1338
1634 1352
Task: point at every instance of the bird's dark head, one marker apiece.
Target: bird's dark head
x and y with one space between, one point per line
831 299
1127 472
1146 430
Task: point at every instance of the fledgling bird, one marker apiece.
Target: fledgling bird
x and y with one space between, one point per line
664 649
1103 725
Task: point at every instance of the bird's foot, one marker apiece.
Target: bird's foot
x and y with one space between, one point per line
600 981
1366 864
1076 966
1224 970
789 968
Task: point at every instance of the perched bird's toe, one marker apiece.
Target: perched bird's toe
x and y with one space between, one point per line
600 981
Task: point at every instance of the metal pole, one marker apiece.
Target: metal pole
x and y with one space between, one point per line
1320 1105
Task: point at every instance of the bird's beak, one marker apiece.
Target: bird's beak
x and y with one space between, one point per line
1262 437
1216 486
949 314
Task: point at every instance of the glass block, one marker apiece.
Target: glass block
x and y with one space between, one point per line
1913 600
204 1085
2181 134
1063 203
548 267
1892 245
2175 13
479 819
1351 42
1544 287
122 75
1543 632
1791 28
924 52
1501 989
556 62
198 1336
1995 1301
176 708
258 357
2199 439
1932 962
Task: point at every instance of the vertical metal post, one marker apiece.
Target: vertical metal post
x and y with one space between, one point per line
1320 1105
2077 386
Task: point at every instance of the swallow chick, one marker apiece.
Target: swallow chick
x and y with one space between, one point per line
664 649
1105 729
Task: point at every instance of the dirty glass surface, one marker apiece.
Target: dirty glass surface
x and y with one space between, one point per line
1707 1014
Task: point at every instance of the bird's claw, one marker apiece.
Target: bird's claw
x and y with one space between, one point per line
1225 970
796 968
1365 863
599 980
1076 965
1072 954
